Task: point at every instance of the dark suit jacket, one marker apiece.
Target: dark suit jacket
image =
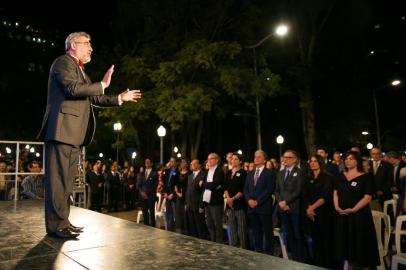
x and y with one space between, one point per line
397 176
216 187
69 116
148 185
383 179
261 192
291 189
194 192
169 180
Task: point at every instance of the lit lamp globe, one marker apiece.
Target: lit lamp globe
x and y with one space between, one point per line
280 139
161 131
370 146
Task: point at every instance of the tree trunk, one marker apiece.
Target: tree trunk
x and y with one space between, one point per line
308 120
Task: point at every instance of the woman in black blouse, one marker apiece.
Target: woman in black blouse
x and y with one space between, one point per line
317 200
355 237
235 203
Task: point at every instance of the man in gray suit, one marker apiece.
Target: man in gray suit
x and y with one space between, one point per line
288 193
69 124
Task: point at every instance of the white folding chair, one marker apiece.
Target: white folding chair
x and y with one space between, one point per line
383 240
393 204
399 257
276 232
160 211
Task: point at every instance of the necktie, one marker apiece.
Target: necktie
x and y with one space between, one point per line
256 176
375 166
287 174
82 65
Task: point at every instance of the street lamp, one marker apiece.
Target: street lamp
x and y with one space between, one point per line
117 127
370 146
279 141
175 149
365 133
378 130
280 31
161 133
239 151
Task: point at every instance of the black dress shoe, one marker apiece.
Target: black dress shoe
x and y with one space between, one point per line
75 229
64 234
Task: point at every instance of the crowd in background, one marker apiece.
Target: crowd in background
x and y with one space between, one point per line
322 206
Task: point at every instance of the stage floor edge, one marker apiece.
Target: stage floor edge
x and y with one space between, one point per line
112 243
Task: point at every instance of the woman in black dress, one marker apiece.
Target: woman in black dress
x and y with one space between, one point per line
95 180
355 238
318 203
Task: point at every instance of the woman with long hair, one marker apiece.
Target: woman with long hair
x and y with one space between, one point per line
318 210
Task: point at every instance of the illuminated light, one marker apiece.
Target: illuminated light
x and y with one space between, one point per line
37 154
175 149
101 155
370 146
179 155
27 146
8 150
161 131
365 133
280 139
134 154
281 30
395 82
239 151
117 126
32 150
371 52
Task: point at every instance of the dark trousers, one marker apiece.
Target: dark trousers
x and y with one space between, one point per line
170 215
148 211
214 214
197 225
291 227
61 167
262 228
96 199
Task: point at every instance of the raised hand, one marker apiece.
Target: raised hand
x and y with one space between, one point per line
130 95
107 77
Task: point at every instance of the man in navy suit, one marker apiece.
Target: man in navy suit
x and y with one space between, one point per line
258 190
68 124
288 192
146 185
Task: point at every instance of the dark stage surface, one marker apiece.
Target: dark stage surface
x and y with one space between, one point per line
113 243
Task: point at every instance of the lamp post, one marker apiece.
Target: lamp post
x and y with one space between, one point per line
378 129
370 146
161 133
279 141
117 127
281 30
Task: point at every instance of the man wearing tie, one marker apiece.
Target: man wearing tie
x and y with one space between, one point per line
69 124
146 186
258 190
288 191
383 176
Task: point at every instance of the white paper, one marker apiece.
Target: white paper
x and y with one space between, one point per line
207 195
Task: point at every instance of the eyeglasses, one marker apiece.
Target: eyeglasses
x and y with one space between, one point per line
87 43
289 157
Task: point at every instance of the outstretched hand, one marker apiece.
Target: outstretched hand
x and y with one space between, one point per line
130 95
107 77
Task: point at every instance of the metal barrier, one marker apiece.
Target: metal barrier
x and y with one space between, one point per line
79 189
17 173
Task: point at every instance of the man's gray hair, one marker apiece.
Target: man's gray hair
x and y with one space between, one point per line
216 156
262 153
72 38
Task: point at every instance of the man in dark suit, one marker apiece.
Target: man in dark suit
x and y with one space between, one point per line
170 177
146 185
398 186
288 192
213 186
331 167
383 176
69 124
193 203
258 190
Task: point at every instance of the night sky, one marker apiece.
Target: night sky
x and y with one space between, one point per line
362 48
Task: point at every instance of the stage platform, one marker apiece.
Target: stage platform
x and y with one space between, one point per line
112 243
